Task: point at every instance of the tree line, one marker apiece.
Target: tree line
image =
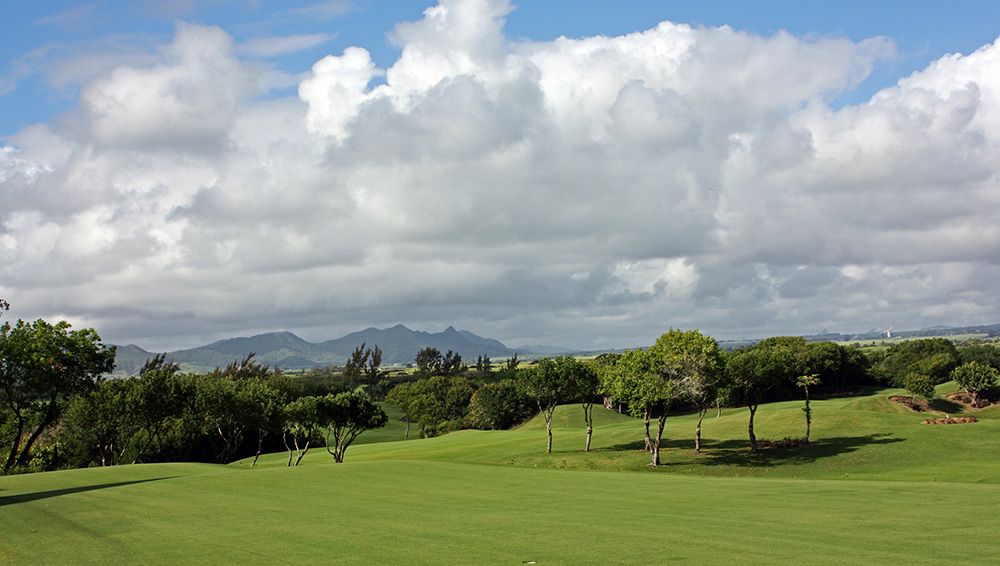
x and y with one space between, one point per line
58 410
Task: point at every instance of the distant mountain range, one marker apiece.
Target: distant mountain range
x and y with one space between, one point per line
400 346
285 350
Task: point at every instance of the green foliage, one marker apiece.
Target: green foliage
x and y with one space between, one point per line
932 357
557 380
437 404
986 354
347 415
41 365
499 405
975 377
430 362
301 427
919 384
836 365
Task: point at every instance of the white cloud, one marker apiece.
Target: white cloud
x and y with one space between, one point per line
587 191
273 46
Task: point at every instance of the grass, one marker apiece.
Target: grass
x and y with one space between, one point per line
876 486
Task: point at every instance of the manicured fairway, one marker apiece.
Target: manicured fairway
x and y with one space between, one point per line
447 513
459 500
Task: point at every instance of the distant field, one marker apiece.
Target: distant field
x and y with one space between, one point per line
886 342
877 487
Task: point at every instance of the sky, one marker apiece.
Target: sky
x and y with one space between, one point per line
579 174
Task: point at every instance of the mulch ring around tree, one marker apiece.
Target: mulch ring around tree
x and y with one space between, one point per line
918 405
950 420
986 399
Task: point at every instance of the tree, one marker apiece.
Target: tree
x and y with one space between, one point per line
755 370
581 385
99 425
155 398
301 425
696 361
648 393
986 354
347 415
919 384
933 357
235 400
355 365
512 362
805 382
373 371
40 365
483 365
974 378
498 405
451 363
429 361
547 383
404 396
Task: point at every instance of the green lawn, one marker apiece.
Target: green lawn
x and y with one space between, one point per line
875 487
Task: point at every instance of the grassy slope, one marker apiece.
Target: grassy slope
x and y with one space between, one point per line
430 501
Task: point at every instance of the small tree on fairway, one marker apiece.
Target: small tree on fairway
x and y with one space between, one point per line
696 361
805 382
582 385
755 370
301 426
347 415
919 385
639 381
548 382
404 396
975 377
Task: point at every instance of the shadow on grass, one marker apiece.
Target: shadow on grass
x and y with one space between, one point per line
737 453
34 496
946 406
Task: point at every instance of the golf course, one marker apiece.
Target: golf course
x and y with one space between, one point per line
875 486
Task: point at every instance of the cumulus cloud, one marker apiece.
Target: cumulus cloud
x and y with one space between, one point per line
587 191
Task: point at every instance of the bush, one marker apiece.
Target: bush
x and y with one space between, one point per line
499 405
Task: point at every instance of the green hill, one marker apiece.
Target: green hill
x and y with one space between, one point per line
876 487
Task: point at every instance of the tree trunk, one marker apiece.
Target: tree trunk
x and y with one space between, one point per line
548 432
284 438
753 437
49 418
302 454
588 415
260 446
645 422
697 430
655 450
15 444
808 417
406 435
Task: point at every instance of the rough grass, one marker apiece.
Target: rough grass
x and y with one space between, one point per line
876 486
